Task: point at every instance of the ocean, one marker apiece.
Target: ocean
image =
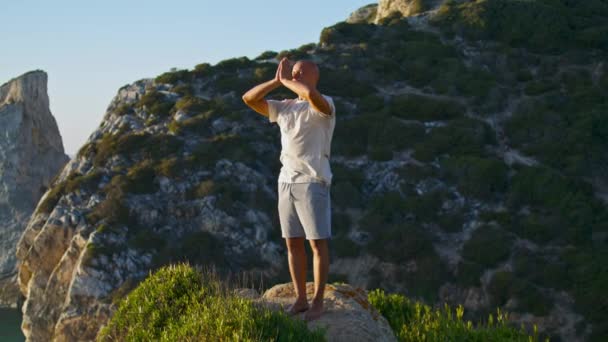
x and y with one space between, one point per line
10 325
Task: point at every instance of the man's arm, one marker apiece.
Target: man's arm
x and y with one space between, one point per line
254 97
311 94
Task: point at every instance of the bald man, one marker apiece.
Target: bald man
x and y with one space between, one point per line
307 124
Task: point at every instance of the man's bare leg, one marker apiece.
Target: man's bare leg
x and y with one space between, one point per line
296 255
321 268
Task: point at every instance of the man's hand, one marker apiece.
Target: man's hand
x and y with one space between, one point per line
284 69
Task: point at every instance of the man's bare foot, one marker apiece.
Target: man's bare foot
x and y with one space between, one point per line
297 307
314 312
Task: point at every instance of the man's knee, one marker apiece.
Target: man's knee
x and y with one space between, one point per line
295 244
318 245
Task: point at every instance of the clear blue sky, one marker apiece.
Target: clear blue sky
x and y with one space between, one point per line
91 48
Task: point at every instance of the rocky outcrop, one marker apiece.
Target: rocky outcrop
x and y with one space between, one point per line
365 14
405 8
31 154
348 316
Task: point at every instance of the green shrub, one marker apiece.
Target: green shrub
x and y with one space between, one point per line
170 167
156 103
74 182
568 206
343 33
550 26
341 245
425 207
264 72
537 87
469 273
345 194
174 77
191 104
124 109
343 83
146 145
483 178
231 81
202 189
268 54
376 134
487 246
416 321
400 242
141 178
567 131
202 70
225 145
183 89
464 136
199 124
232 64
113 208
178 302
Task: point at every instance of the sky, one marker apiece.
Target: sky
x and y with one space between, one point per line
91 49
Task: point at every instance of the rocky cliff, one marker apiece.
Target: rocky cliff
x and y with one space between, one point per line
469 161
31 154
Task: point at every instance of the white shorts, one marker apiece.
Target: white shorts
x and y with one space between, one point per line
305 210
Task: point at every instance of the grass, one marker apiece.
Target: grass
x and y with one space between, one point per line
415 321
180 303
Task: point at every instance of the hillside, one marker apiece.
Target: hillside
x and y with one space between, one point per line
469 162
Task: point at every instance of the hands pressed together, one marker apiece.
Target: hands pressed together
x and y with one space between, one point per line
284 70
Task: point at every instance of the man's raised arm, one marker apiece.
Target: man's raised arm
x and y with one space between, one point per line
254 97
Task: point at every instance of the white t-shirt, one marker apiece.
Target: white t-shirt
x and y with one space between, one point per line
305 140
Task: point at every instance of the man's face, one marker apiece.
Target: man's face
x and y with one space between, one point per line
297 73
303 72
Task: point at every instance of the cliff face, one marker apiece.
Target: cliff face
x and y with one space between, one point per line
469 167
31 154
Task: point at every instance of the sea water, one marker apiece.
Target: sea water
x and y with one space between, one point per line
10 325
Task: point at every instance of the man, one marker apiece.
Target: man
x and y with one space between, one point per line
307 124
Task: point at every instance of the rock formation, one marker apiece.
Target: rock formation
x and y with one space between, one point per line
31 154
348 316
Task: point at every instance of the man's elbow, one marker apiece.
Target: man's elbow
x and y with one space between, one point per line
246 99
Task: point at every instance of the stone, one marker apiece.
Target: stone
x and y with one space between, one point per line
348 315
31 154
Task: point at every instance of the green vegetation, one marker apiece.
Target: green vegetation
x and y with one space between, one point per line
415 321
113 208
377 134
395 239
343 33
145 145
484 178
180 303
73 182
567 130
564 207
424 108
464 136
545 26
225 145
341 245
487 246
504 285
191 104
174 77
155 102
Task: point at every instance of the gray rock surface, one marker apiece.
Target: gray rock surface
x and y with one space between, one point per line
31 154
347 315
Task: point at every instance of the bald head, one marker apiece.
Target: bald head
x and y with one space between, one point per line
306 71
